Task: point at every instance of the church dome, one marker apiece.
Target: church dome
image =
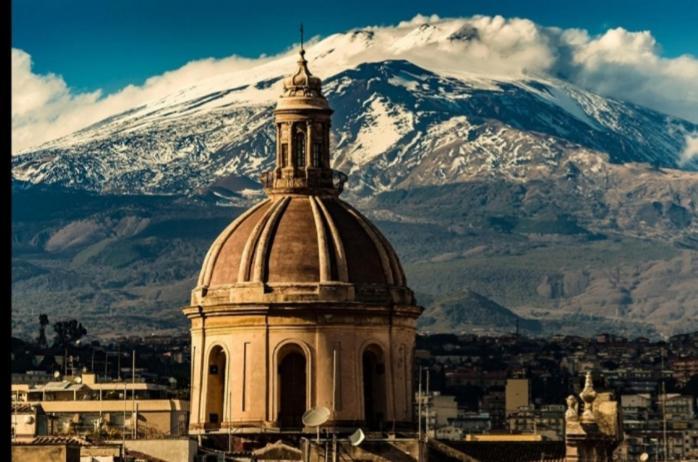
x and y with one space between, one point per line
303 248
301 301
302 244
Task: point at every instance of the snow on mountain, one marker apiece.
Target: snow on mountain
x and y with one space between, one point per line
397 122
559 188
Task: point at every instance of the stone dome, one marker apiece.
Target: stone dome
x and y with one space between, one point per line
301 248
301 302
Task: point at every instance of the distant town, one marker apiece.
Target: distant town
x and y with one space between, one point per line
468 387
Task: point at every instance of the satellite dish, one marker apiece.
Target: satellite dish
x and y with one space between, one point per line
316 416
56 374
78 379
644 457
29 419
357 437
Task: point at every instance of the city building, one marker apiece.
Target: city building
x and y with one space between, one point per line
659 424
301 302
547 421
473 422
80 405
684 368
28 421
437 411
492 403
516 395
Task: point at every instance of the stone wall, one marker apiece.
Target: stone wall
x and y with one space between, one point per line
171 450
45 453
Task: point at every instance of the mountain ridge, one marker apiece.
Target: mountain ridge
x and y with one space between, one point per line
161 153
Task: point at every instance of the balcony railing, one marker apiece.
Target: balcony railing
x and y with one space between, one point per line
304 179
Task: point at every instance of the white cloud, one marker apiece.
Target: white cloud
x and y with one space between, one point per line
39 102
618 63
44 107
628 66
690 152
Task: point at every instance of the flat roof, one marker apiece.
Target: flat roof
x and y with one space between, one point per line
114 405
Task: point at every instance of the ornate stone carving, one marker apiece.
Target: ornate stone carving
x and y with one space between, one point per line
572 414
588 395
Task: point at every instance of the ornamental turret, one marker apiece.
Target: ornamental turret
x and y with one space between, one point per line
302 120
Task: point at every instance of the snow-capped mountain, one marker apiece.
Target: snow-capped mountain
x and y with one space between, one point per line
540 196
397 123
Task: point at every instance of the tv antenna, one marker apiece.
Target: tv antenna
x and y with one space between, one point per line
357 437
315 417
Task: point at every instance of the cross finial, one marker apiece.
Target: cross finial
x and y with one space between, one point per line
301 36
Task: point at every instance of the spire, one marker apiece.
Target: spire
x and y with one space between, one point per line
302 50
303 82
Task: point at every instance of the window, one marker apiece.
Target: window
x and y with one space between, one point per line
316 155
284 154
300 149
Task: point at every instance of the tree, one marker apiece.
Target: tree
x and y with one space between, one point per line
68 332
43 322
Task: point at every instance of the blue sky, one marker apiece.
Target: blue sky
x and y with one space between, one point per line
107 44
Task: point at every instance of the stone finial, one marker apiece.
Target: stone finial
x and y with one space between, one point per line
572 414
303 82
588 395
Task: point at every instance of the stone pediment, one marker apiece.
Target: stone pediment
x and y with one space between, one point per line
279 452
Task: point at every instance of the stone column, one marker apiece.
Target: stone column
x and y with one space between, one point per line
326 145
291 145
279 163
309 144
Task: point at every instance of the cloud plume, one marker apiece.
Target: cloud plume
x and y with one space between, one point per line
617 63
690 152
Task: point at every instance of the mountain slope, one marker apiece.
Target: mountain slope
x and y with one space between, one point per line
395 125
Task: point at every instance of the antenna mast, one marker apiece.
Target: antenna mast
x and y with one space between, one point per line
419 406
661 372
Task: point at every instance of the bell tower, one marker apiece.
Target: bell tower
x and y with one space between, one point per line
302 119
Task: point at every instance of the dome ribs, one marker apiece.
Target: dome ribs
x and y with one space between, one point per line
260 263
398 274
303 246
338 247
250 243
364 265
339 261
378 244
324 255
210 261
294 255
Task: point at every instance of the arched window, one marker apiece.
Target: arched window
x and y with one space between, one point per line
292 386
299 147
215 388
374 387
